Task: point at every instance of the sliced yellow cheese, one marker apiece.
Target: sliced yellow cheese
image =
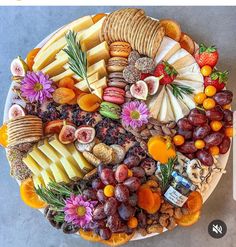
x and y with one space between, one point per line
72 170
58 146
102 83
81 161
83 86
59 173
64 74
97 53
98 92
76 26
49 151
91 37
32 165
40 158
47 177
54 68
38 181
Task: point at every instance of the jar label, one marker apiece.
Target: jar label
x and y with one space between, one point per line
175 197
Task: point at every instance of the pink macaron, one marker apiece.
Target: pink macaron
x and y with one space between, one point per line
114 95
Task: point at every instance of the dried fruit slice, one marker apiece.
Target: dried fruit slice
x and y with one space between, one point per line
189 219
89 236
63 95
19 67
85 134
15 111
89 102
30 57
67 134
187 43
55 126
29 196
172 29
139 90
194 202
118 239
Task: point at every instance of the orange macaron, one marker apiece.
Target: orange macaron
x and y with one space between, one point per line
120 49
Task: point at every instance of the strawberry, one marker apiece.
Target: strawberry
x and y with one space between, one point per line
207 56
217 79
169 73
145 75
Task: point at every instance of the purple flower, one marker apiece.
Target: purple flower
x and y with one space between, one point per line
36 87
135 114
78 210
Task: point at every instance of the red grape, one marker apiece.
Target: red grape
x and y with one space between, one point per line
138 172
105 233
201 132
225 145
121 193
205 157
90 194
107 176
113 222
126 211
187 148
110 206
187 134
197 117
184 124
97 184
215 114
132 161
132 183
214 139
223 97
99 213
121 173
100 196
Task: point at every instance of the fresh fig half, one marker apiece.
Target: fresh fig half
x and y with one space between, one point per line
19 67
85 134
139 90
15 111
153 84
67 134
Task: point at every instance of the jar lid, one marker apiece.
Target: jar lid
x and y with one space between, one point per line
182 180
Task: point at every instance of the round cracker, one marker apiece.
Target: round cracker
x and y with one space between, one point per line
157 26
111 33
135 30
157 41
138 33
127 24
141 34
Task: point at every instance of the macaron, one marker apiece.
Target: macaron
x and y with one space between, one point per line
117 64
120 49
114 94
116 79
110 110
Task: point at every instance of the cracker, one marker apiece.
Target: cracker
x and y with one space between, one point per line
127 24
101 34
135 31
140 35
157 41
156 30
112 26
146 31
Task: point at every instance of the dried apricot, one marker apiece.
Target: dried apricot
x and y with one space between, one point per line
67 82
194 202
89 102
187 43
172 29
98 17
63 95
30 57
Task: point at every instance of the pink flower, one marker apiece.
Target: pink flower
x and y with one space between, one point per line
135 114
78 211
36 87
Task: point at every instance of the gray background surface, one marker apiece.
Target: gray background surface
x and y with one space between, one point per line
21 28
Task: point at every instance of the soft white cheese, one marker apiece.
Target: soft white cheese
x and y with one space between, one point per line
155 103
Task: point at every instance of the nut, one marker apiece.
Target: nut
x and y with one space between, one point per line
92 159
172 224
166 130
104 153
156 228
163 220
178 213
145 133
156 132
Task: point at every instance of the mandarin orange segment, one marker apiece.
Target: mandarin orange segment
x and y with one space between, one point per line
63 95
67 82
118 239
3 135
30 57
89 236
189 219
194 202
89 102
29 196
98 17
172 29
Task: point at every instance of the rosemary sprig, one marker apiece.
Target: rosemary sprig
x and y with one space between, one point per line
166 171
60 217
77 57
179 90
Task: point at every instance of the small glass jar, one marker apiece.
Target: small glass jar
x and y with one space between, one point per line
178 190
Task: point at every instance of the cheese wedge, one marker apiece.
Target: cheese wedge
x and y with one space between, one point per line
188 101
181 59
40 158
166 114
190 76
98 53
58 146
49 151
155 103
167 49
72 170
91 37
82 85
47 177
76 26
67 73
193 68
38 181
196 86
98 92
102 83
81 161
179 108
59 173
32 165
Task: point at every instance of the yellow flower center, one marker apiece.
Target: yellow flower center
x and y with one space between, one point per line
81 211
135 115
38 86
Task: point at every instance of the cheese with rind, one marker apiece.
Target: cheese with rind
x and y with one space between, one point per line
72 169
38 181
40 158
166 114
82 85
154 104
32 165
59 173
47 176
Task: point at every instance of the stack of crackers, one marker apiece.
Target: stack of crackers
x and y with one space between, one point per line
24 129
133 26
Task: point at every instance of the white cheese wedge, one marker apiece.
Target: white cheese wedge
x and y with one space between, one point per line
91 37
73 171
154 104
181 59
58 146
40 158
167 49
166 114
179 108
188 101
190 76
196 86
193 68
82 85
64 74
76 26
98 92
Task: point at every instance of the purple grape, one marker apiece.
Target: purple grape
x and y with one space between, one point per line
184 124
215 114
228 117
197 117
113 222
125 211
133 200
121 193
99 213
225 145
105 233
97 184
97 224
132 161
100 196
214 139
187 134
201 132
205 157
107 176
110 206
90 194
132 183
121 173
138 172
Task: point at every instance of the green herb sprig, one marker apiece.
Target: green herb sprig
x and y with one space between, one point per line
166 170
179 90
77 57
